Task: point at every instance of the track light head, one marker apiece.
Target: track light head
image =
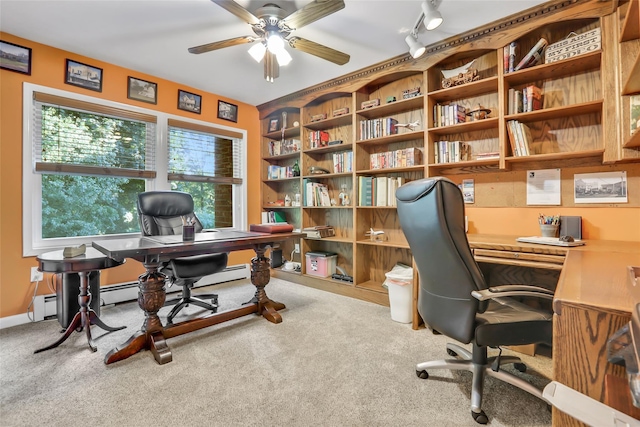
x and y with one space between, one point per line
432 17
415 48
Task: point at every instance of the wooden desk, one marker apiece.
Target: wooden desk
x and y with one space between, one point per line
153 335
593 299
91 260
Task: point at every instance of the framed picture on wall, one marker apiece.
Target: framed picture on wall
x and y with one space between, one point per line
83 75
227 111
15 58
142 90
188 101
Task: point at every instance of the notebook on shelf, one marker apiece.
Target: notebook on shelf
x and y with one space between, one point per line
555 241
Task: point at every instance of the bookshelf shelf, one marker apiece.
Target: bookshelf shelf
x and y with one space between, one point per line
556 156
330 122
329 149
404 136
372 286
389 170
633 141
395 107
291 155
288 133
555 70
488 123
468 90
557 112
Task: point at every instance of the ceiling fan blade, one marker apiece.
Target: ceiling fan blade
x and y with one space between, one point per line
222 44
312 12
239 11
319 50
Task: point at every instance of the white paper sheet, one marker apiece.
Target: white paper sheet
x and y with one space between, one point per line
543 187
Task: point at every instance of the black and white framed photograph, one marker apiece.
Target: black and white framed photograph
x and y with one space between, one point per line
142 90
227 111
188 101
83 75
15 58
600 187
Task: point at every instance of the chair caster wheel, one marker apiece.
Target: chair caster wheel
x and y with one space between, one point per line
480 417
214 300
215 309
452 353
422 374
520 367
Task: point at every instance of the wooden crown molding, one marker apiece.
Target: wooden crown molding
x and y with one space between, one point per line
405 60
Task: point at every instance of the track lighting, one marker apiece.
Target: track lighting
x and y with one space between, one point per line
429 17
432 18
415 48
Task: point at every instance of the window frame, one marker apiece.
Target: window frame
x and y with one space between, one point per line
32 241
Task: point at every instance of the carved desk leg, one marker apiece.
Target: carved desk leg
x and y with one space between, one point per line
151 297
260 276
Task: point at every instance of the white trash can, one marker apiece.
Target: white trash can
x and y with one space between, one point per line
399 282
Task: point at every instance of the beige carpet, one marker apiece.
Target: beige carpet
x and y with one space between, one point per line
333 361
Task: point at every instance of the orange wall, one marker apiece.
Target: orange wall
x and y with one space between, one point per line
48 69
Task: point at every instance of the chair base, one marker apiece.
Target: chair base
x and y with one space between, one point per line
480 365
187 299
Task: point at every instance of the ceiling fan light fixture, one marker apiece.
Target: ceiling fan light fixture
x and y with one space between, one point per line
275 43
415 48
257 51
432 17
284 57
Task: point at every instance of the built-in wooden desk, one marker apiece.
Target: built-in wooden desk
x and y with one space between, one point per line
593 299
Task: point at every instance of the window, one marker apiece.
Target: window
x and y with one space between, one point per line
206 163
85 160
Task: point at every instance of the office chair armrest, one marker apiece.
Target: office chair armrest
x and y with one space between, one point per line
512 291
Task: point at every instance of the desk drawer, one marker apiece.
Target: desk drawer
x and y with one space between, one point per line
519 258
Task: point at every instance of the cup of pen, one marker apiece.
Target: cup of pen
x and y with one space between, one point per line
548 225
188 230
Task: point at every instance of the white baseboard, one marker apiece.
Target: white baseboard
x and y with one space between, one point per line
46 305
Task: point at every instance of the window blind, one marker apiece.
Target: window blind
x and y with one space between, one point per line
200 153
77 137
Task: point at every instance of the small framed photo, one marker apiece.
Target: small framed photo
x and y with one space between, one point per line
274 124
83 75
188 101
227 111
15 58
142 90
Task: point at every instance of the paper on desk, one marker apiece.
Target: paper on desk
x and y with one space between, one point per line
543 187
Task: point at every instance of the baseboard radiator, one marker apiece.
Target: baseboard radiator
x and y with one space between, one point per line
124 292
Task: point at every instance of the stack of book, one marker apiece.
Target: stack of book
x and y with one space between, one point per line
450 114
377 128
343 162
525 100
316 194
319 231
272 217
318 138
451 151
411 156
519 137
378 191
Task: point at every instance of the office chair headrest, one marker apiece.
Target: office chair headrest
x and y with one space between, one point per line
415 190
165 203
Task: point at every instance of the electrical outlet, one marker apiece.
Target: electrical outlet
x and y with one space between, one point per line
36 275
297 248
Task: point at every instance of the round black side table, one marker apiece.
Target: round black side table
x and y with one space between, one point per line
55 262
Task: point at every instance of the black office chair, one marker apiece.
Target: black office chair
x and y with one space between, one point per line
160 213
454 299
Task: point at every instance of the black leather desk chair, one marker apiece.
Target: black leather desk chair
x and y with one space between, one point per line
160 213
454 298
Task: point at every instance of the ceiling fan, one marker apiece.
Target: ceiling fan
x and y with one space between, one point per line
273 27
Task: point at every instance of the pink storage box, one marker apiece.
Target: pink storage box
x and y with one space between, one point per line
321 264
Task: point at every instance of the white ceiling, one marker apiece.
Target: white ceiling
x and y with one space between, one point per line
152 37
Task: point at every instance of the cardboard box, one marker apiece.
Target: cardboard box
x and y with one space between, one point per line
321 264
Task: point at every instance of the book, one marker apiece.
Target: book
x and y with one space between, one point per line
319 231
533 56
513 53
512 137
271 228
